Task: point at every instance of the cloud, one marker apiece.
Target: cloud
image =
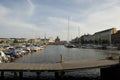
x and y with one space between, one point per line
61 25
104 16
14 21
63 22
31 8
17 23
82 1
17 28
51 18
3 11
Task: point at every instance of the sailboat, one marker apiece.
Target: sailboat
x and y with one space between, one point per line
68 44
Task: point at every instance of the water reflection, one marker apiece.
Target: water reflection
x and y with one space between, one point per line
51 54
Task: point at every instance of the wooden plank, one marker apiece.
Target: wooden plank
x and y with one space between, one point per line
30 66
87 64
51 66
13 66
71 65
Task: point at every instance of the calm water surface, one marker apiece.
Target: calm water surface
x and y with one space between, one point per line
51 54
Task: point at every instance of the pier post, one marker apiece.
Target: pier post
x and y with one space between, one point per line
110 73
2 75
20 75
15 75
56 75
59 74
119 59
38 74
61 59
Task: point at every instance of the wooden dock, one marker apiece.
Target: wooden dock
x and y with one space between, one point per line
70 65
58 68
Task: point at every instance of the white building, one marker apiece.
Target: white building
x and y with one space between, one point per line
105 34
51 40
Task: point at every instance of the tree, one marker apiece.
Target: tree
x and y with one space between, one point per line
15 41
1 41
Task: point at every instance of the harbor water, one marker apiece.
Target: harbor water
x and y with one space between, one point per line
51 54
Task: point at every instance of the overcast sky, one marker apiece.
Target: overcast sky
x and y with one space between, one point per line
37 18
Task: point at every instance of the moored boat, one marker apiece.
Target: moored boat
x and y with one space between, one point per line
69 45
3 57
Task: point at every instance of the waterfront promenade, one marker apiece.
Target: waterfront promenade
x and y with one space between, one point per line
66 66
58 68
50 60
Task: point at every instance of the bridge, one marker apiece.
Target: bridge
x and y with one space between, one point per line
58 68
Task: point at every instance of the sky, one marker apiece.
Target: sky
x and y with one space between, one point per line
39 18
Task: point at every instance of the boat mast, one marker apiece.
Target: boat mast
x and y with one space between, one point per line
68 30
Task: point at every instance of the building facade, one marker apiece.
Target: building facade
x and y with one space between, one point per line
57 40
104 36
4 40
36 40
101 37
51 40
21 40
116 38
